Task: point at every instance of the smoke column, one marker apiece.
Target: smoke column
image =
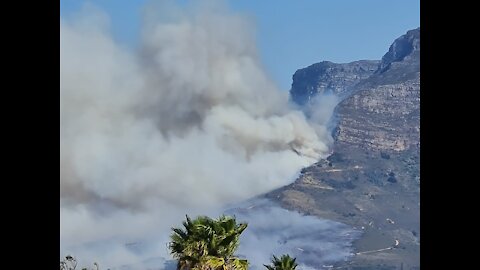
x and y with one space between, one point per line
186 124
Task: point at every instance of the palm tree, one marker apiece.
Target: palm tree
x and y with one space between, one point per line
284 263
70 263
207 244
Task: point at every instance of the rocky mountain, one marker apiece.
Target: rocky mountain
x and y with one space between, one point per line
328 77
383 111
372 180
404 52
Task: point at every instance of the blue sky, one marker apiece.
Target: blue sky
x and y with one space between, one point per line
292 34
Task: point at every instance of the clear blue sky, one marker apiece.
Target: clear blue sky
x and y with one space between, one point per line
293 34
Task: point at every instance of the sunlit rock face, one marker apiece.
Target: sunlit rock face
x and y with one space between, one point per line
372 179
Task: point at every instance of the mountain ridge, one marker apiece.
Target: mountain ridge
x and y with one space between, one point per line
372 179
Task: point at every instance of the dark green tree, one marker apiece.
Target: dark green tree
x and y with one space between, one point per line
284 263
207 244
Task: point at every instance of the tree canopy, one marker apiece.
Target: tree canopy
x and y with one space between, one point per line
207 244
284 263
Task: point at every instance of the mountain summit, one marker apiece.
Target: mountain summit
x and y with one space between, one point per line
405 50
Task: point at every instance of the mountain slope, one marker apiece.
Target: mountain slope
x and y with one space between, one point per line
371 181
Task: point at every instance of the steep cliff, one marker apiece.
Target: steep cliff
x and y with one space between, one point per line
372 179
383 112
328 77
384 118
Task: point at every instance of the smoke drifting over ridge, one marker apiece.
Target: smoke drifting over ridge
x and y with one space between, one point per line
188 124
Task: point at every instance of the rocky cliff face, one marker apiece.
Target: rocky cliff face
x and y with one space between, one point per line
383 112
383 118
405 51
328 77
371 181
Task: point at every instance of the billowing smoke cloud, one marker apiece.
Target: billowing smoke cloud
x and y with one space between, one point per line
320 111
187 124
316 243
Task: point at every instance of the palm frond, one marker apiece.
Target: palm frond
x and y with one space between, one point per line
208 244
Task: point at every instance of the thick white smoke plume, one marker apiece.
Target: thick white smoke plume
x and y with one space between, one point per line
186 124
272 230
